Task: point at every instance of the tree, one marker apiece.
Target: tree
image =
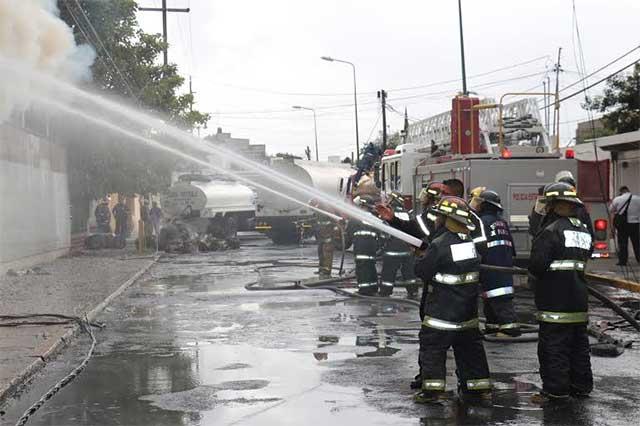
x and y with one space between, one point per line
620 102
126 66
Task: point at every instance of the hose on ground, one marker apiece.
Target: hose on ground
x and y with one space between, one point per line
595 293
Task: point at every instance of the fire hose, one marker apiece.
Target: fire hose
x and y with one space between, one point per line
525 328
85 326
592 291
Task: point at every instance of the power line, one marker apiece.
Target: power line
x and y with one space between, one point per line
601 68
350 105
374 127
124 80
473 76
595 84
288 93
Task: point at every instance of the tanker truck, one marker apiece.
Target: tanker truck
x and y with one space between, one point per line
206 209
284 221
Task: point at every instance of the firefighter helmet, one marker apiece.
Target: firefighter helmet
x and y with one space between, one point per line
456 209
562 192
434 190
366 200
475 192
490 197
566 176
396 199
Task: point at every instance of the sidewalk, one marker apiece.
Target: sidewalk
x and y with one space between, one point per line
70 286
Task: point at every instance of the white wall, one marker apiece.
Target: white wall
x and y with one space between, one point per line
34 199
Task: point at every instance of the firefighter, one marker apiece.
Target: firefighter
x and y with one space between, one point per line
419 225
478 235
365 247
398 255
558 259
324 229
451 265
538 219
496 287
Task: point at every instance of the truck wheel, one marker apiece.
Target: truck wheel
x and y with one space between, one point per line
231 225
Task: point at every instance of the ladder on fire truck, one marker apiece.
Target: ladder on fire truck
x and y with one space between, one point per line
522 123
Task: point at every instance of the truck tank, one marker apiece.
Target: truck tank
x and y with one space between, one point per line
278 217
200 200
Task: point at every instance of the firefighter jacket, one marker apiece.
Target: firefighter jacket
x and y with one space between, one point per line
478 234
451 266
396 245
558 260
537 221
420 226
499 252
365 242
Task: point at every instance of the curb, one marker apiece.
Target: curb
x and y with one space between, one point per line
55 347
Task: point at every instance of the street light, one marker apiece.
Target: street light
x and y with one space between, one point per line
315 124
355 97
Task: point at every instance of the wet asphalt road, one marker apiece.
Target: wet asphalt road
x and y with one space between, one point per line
188 345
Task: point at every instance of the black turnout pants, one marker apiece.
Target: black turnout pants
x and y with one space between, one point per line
564 356
390 266
471 361
628 231
500 312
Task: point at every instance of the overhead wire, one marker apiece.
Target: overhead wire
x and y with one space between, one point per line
373 92
106 51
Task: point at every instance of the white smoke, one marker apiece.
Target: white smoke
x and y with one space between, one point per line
33 35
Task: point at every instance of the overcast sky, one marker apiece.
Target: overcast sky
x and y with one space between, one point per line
251 60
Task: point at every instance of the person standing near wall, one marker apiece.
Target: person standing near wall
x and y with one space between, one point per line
155 215
103 216
625 209
146 219
121 215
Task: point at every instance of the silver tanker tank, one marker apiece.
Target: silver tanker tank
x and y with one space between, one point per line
278 217
204 202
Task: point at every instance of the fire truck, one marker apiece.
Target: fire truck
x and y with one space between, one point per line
508 151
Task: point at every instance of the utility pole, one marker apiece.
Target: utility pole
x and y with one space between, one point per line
464 71
544 101
382 95
164 11
556 109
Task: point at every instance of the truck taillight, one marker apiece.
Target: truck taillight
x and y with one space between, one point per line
600 229
569 154
601 245
506 153
600 225
408 202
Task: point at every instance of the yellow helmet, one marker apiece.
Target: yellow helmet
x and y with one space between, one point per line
475 192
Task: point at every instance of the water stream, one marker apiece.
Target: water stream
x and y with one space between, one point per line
63 96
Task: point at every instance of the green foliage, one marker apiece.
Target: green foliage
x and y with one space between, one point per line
593 133
108 163
620 102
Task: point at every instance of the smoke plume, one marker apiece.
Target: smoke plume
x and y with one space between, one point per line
33 36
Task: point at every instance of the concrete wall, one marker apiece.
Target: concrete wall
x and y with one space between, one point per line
34 199
628 170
